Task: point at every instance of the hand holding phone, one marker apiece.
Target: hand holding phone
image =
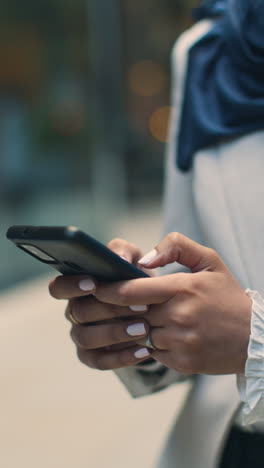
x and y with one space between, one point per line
72 252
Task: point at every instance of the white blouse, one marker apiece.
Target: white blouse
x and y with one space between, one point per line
145 379
251 383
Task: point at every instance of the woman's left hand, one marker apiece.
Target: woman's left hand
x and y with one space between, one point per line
200 321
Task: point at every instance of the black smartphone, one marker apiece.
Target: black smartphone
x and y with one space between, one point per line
72 252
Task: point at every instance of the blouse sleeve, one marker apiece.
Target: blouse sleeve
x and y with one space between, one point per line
251 383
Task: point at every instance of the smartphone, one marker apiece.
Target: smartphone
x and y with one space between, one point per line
72 252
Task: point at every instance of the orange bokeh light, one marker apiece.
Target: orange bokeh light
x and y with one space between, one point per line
147 78
158 123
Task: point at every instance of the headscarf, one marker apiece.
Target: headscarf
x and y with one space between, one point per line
224 91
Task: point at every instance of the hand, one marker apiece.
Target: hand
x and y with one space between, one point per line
106 337
200 321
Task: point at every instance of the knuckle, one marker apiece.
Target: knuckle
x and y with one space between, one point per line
84 308
191 340
100 363
213 255
174 237
190 285
185 289
79 336
73 334
83 357
194 282
184 317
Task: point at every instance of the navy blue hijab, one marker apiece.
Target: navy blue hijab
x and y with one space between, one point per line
224 91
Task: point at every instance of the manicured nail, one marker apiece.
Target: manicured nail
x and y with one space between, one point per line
87 284
148 257
139 308
141 353
136 329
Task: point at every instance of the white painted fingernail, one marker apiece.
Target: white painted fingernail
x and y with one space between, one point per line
136 329
140 353
139 308
148 257
87 284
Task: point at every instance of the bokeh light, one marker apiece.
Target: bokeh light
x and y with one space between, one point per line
21 60
147 78
158 123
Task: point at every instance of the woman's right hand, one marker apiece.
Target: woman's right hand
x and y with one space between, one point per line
103 338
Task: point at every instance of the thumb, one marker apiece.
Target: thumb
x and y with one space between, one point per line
178 248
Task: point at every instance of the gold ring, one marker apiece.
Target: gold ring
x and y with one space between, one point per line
73 319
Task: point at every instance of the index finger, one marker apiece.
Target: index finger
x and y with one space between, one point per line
68 287
143 290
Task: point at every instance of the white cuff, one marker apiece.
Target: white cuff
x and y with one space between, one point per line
251 384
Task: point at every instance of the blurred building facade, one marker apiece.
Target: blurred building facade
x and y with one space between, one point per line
84 104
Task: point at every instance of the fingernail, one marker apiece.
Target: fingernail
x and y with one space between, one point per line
87 284
148 257
140 353
139 308
136 329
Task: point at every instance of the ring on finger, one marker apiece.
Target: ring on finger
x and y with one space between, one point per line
149 342
73 319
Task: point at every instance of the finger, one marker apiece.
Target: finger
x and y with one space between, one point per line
68 311
119 346
67 287
128 251
88 309
160 315
178 248
175 313
176 340
109 360
99 336
144 290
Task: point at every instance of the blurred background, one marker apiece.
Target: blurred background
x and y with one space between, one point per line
84 107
